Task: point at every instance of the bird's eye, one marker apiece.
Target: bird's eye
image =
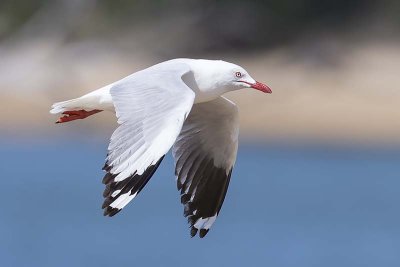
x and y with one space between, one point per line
238 74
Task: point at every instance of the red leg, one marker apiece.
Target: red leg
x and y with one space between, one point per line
76 115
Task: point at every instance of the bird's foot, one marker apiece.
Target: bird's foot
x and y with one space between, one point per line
76 115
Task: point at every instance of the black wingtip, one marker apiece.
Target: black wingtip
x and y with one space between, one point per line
193 232
106 202
110 211
185 198
203 232
107 190
179 185
132 185
109 177
106 167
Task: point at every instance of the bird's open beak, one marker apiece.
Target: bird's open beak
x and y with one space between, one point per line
261 87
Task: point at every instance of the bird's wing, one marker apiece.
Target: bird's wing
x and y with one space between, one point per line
151 106
205 152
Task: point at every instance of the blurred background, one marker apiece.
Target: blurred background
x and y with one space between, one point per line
316 181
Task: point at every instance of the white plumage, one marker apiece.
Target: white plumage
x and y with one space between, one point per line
176 104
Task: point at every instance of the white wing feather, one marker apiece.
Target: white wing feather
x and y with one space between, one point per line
151 106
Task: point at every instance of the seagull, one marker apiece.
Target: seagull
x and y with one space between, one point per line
174 104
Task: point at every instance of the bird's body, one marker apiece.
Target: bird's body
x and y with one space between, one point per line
176 104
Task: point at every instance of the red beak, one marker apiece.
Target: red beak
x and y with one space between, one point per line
261 87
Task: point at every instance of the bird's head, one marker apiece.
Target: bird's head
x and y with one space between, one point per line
222 75
240 79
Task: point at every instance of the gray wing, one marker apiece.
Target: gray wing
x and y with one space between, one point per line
151 106
205 153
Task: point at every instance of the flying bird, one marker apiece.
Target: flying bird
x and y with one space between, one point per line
174 104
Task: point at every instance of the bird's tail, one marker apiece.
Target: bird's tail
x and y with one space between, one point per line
84 106
69 105
99 100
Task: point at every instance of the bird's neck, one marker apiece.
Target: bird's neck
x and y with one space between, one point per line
206 83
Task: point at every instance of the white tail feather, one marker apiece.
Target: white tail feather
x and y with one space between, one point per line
60 107
99 99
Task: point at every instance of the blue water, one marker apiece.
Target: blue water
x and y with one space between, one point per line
286 206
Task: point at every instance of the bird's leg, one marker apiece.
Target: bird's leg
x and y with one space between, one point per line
76 114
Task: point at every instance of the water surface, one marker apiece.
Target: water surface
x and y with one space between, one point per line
286 206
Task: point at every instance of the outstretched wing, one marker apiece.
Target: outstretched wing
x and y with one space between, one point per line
151 106
205 153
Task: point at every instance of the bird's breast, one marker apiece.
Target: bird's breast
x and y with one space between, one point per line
205 94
